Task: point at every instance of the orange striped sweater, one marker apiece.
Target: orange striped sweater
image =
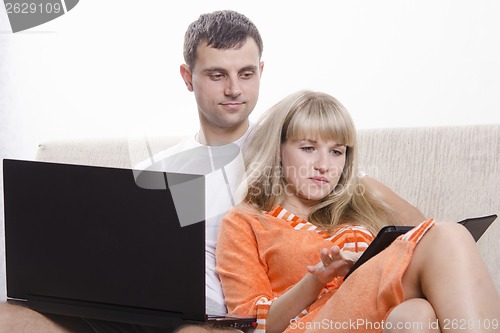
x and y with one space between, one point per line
261 257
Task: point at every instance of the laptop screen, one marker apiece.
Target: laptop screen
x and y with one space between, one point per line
90 236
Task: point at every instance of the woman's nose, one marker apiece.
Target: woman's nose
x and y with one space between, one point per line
321 163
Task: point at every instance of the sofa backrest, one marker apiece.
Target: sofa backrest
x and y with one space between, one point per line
449 173
121 152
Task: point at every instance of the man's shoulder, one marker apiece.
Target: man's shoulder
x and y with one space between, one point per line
153 162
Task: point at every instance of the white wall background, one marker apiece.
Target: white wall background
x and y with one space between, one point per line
110 67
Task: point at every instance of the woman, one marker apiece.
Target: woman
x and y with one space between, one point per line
282 253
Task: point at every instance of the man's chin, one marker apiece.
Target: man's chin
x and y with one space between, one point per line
235 121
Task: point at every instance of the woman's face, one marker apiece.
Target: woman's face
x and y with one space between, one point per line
311 168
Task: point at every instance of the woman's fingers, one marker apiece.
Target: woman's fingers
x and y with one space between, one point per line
350 256
327 257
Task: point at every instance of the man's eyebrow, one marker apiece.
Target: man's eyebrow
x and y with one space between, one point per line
249 68
222 70
214 69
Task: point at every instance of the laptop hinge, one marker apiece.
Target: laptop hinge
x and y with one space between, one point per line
106 312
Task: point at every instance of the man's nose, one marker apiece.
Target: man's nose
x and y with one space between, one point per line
233 88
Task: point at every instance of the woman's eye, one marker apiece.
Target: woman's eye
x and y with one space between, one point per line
307 149
337 152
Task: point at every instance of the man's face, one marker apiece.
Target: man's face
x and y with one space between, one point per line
226 84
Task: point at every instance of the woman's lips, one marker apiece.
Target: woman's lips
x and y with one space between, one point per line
319 180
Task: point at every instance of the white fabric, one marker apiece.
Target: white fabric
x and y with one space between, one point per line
220 197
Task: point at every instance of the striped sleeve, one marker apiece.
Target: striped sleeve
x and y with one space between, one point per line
247 289
352 238
415 234
262 306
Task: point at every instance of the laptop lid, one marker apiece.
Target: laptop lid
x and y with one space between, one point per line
88 241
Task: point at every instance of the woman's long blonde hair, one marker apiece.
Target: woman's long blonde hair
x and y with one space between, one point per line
310 115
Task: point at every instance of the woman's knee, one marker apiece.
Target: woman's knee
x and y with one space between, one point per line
413 315
443 240
444 237
446 229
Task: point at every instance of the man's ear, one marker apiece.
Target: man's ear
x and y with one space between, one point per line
187 76
261 67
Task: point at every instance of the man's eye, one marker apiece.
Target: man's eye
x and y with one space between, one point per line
216 76
247 75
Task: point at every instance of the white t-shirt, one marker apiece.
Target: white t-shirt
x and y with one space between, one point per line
223 176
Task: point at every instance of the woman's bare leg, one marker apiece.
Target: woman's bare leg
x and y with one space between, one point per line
414 315
448 271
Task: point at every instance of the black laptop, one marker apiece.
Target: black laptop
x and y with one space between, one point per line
88 241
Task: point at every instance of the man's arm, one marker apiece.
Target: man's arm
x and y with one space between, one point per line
405 212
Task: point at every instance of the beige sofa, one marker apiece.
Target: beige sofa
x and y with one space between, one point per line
449 173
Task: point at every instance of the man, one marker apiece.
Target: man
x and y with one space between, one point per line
223 68
222 51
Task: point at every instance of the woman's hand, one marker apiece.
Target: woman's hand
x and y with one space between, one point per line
286 307
333 263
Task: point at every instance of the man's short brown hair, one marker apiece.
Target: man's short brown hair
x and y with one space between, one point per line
221 30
